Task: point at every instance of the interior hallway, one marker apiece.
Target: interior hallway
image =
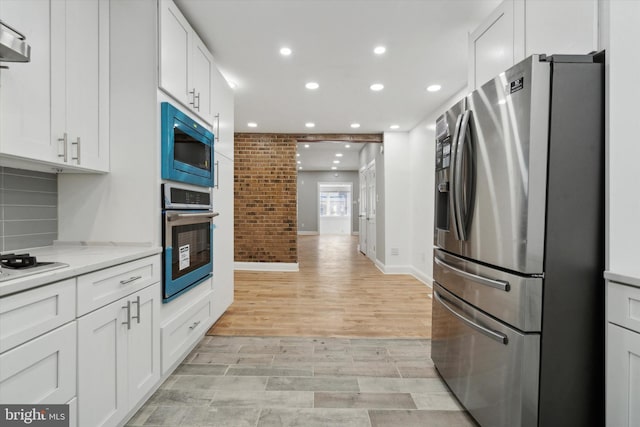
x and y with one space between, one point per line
338 292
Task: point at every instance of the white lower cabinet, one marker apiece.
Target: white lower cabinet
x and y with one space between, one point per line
118 357
183 331
73 412
623 377
42 370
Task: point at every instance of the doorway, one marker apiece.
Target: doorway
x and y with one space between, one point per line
334 207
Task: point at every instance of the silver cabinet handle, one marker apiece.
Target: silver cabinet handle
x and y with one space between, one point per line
193 93
497 336
137 303
194 325
64 147
498 284
217 166
129 280
217 136
197 107
77 144
175 216
128 307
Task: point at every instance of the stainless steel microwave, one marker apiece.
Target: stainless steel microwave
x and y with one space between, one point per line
187 148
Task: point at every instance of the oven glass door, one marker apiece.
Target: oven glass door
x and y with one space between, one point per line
188 242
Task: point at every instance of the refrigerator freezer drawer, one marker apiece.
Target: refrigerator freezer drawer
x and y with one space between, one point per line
492 368
514 299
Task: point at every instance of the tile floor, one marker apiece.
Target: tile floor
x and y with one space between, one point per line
276 382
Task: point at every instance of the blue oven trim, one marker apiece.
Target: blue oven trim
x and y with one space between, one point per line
173 288
173 169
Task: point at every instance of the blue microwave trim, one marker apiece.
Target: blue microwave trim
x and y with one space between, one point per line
173 169
173 288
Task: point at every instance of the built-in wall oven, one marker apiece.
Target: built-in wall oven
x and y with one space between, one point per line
187 238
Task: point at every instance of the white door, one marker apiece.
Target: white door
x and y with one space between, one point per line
372 202
175 35
362 212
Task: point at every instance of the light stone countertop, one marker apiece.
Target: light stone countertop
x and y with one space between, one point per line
622 278
82 257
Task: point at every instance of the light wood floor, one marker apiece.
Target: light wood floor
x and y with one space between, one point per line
338 292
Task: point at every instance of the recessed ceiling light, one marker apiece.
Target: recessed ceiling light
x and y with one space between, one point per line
379 50
310 124
355 125
376 87
334 167
285 51
252 124
347 146
431 127
434 88
306 145
312 85
502 102
300 167
297 154
335 162
299 162
394 127
232 84
338 154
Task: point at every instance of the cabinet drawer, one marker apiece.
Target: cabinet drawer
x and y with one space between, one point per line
28 314
105 286
183 331
42 370
623 305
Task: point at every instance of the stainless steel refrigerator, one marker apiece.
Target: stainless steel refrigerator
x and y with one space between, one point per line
518 300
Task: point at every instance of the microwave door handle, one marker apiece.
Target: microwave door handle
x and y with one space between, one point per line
175 215
452 181
463 217
494 335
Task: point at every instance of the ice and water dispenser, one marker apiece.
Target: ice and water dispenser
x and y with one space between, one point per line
443 161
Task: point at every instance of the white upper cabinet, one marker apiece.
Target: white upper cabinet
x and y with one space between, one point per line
25 95
80 82
185 62
223 112
55 109
519 28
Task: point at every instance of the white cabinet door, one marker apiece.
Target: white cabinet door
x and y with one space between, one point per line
202 69
175 34
223 282
102 370
80 82
118 357
223 102
623 377
25 87
143 343
491 46
42 370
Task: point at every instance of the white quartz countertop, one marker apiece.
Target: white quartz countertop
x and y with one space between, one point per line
82 258
625 279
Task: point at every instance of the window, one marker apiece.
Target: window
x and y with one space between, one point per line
335 203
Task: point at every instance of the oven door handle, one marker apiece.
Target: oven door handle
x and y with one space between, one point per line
494 335
174 216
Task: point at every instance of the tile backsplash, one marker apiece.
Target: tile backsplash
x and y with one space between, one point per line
28 209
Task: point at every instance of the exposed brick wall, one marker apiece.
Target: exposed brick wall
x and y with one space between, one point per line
265 198
265 221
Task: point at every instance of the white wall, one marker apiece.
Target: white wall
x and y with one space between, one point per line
623 62
397 189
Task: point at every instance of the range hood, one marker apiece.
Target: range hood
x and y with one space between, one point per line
13 45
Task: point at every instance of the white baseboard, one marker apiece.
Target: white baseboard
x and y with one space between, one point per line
422 277
405 269
307 233
266 266
355 233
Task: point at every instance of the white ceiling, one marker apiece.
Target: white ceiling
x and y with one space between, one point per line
332 43
320 156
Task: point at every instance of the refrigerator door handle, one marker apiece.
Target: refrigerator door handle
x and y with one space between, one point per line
464 142
496 336
453 185
498 284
